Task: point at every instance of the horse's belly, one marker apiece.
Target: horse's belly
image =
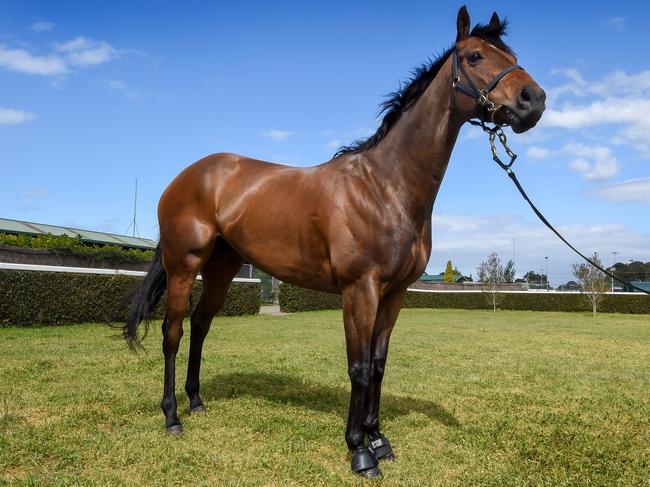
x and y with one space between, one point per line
291 255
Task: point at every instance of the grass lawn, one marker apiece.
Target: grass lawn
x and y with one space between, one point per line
469 398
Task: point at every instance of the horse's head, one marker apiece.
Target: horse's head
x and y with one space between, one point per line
488 82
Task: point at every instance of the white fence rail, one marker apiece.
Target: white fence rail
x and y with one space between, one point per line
90 270
125 272
531 291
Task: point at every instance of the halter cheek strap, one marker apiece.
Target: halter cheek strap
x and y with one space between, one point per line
481 96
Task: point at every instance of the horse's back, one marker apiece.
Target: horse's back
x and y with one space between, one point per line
273 215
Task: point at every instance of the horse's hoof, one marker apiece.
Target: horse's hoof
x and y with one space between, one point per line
175 430
200 409
365 464
373 473
381 448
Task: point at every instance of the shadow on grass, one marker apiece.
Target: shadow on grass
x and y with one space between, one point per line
283 389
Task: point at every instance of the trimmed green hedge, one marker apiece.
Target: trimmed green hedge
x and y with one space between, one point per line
615 303
56 298
294 299
65 245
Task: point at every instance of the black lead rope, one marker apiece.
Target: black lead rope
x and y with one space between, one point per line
507 167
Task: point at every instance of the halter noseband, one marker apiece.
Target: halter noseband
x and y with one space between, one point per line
481 96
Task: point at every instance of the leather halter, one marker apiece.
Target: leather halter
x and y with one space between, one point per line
481 96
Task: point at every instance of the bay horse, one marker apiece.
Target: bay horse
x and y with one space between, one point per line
358 225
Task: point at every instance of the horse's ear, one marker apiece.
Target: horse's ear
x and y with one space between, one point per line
495 22
463 24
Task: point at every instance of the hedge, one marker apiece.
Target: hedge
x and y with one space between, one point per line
294 299
66 245
56 298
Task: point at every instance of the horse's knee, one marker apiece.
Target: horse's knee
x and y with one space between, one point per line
378 366
359 374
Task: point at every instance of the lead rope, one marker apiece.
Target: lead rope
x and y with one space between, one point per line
497 132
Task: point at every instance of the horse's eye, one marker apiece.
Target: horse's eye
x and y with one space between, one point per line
475 57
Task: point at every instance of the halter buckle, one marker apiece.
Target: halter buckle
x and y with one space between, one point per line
484 101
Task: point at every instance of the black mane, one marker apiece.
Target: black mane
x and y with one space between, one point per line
399 101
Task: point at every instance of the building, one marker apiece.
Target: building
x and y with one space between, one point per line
642 284
9 254
437 282
91 237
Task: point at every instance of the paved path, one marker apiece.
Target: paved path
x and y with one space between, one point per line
273 310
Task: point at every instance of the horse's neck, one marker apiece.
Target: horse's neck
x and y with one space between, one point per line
413 156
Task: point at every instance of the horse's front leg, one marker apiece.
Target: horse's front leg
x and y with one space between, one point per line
389 308
360 301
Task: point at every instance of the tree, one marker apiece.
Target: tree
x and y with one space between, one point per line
593 282
634 271
449 273
509 272
536 280
492 274
569 286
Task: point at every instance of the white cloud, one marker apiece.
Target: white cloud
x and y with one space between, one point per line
82 51
22 61
630 191
593 162
277 134
619 99
78 52
535 152
618 23
467 239
42 26
574 87
608 111
621 83
9 116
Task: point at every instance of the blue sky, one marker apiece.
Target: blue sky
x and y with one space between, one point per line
95 94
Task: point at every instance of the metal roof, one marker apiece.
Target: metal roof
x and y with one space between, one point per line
87 236
437 277
642 284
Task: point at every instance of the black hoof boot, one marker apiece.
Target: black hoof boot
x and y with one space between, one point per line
381 448
175 430
365 464
200 409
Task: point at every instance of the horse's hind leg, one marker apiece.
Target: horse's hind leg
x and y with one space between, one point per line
217 273
185 250
179 288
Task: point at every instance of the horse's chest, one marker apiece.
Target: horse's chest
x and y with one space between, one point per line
404 256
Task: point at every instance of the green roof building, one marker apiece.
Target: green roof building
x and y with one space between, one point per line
17 227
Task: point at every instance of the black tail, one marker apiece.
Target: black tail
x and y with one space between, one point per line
144 300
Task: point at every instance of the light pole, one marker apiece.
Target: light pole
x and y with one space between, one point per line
546 259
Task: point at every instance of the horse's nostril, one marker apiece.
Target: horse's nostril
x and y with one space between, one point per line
525 95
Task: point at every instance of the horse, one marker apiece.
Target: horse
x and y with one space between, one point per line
358 225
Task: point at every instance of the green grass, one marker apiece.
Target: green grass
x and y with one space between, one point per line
470 398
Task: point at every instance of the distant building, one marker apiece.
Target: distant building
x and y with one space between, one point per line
642 284
458 278
10 254
437 281
17 227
